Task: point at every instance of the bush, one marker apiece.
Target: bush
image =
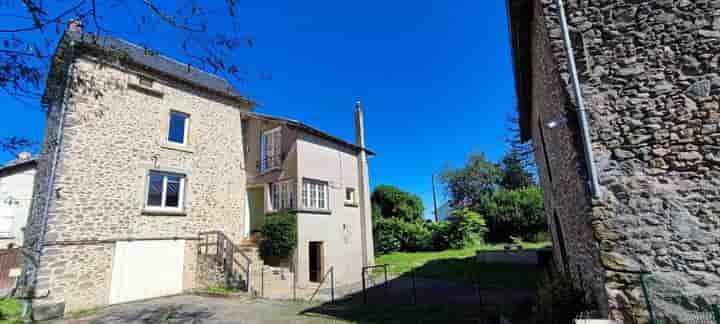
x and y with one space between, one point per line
391 202
465 228
387 234
416 237
515 213
279 235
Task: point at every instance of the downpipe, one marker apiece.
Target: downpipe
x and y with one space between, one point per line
582 114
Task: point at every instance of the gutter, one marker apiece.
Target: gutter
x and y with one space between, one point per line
582 115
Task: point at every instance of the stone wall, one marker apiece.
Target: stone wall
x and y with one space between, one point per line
114 134
652 87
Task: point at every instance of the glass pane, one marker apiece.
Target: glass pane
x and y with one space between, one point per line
177 128
306 195
313 195
155 184
172 193
321 196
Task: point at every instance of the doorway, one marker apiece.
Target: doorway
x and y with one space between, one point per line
316 261
256 208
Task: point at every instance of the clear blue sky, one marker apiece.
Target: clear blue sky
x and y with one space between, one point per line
435 78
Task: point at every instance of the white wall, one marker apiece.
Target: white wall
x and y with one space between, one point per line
322 160
16 189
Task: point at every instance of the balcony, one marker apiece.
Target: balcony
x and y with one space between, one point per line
270 162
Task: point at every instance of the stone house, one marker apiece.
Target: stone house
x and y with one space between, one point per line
154 175
16 192
627 145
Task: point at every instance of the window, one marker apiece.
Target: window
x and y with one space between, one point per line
282 195
315 194
178 130
165 191
270 149
350 195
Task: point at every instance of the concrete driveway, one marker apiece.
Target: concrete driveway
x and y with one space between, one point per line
198 309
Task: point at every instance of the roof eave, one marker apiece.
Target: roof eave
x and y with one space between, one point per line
520 15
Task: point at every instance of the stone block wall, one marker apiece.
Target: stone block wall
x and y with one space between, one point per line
113 135
651 80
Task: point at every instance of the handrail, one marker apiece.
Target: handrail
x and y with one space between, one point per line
331 272
227 252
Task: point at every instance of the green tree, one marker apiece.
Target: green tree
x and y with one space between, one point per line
391 202
471 185
515 213
515 174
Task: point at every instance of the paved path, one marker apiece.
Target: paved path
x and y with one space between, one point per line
206 310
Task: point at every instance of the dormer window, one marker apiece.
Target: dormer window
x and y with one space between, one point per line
270 149
178 130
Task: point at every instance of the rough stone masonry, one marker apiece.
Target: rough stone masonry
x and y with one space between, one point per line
651 81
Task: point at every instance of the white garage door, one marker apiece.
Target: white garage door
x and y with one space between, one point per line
146 269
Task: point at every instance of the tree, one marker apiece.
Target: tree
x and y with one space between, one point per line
515 213
208 33
391 202
472 184
523 149
515 174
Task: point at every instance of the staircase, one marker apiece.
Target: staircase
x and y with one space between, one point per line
238 265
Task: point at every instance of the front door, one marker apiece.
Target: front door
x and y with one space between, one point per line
316 261
256 208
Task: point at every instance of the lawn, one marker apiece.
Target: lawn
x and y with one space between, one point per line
10 311
459 265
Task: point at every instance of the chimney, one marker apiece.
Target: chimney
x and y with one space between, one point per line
75 26
366 235
23 156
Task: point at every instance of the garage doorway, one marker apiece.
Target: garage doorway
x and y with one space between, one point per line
316 261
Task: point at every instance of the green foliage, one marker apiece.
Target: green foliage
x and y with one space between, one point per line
470 185
515 213
387 233
559 301
391 202
279 235
416 237
465 228
10 310
515 174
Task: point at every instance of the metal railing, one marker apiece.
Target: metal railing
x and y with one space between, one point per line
364 278
330 272
225 252
270 162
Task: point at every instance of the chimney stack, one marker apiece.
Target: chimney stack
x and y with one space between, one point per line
75 26
366 234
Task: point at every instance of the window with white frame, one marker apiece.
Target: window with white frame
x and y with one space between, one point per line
178 128
270 149
350 195
165 191
315 194
282 195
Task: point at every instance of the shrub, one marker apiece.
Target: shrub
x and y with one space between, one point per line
416 237
515 213
464 228
387 234
391 202
279 235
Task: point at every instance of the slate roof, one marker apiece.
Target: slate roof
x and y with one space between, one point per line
309 129
17 164
155 61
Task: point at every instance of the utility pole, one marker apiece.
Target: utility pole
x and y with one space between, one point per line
435 199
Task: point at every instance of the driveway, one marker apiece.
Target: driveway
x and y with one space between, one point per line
199 309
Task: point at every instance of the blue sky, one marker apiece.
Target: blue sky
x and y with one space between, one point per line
435 78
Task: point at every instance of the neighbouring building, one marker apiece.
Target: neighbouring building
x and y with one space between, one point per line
649 78
154 177
16 192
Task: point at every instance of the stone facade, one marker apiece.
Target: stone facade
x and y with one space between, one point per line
109 144
650 78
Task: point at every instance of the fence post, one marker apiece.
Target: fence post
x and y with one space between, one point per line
716 313
386 280
363 287
262 283
414 291
332 285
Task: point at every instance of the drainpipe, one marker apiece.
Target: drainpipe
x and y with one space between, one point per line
582 115
366 233
51 177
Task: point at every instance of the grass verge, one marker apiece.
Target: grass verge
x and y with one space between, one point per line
10 311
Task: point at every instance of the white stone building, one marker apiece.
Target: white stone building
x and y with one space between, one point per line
16 191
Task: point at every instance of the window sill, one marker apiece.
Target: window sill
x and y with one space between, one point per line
163 212
266 171
351 204
314 211
177 147
146 90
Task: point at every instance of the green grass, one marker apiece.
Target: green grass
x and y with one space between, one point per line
10 311
459 265
218 290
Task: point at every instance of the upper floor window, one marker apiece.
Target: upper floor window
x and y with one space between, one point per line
282 195
165 191
178 130
350 195
315 194
270 150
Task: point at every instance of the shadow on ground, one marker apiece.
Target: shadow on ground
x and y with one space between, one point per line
475 293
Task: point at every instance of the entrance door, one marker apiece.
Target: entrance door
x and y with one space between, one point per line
316 261
256 208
